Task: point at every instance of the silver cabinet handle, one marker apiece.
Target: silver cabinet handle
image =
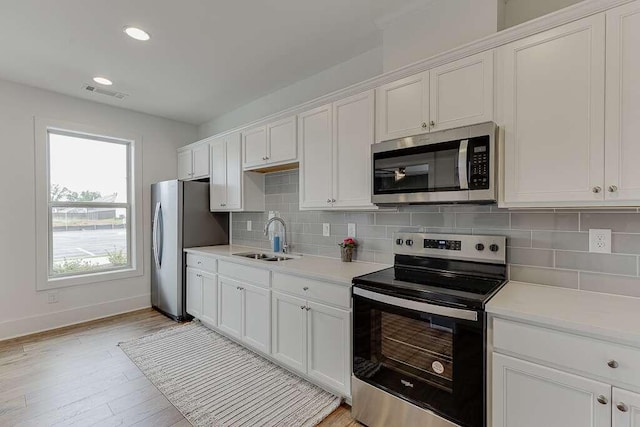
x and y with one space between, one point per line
603 400
302 307
328 200
432 123
239 288
613 364
424 125
266 158
613 188
307 308
622 407
597 189
199 262
333 200
463 178
306 288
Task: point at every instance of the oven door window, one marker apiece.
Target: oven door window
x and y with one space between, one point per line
427 168
433 361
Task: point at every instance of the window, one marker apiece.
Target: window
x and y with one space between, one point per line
90 207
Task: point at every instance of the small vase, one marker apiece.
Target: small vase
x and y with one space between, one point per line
346 254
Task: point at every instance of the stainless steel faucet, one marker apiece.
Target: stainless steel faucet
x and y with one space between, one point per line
285 245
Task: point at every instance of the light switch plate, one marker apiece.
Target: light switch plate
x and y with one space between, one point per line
351 229
600 240
249 225
326 229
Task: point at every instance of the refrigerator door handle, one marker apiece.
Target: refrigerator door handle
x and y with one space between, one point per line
157 241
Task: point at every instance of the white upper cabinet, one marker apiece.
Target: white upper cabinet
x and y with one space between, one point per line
316 158
461 92
335 154
551 101
231 189
270 145
353 129
403 107
193 161
626 410
622 167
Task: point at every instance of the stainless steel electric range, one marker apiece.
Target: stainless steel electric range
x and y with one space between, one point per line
419 331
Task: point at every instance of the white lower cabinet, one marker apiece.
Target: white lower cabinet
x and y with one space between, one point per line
209 312
194 292
530 395
230 307
626 411
313 339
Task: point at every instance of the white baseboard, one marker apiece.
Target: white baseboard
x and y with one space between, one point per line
44 322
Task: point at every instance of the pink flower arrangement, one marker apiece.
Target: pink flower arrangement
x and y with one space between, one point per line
349 242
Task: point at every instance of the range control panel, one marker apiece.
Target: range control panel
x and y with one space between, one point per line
454 246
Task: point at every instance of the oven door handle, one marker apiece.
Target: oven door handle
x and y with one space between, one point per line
422 307
462 165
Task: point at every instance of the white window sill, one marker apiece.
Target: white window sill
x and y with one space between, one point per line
90 278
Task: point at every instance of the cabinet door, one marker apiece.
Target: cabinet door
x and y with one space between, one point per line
254 147
185 164
194 292
626 408
256 317
328 335
209 312
289 330
282 143
530 395
229 306
316 158
403 107
461 93
218 180
234 172
353 129
201 161
622 174
553 99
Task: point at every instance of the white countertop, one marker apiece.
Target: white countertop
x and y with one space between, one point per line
596 314
316 267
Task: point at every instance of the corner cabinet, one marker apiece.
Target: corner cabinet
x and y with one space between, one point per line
456 94
335 154
230 188
193 161
270 145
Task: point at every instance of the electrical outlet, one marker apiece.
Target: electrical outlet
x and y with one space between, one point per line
351 229
52 297
600 240
249 225
326 229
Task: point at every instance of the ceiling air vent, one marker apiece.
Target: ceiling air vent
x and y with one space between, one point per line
111 93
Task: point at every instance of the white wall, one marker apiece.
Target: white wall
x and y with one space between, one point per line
519 11
22 309
356 69
436 27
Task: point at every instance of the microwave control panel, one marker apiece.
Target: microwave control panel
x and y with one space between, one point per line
479 163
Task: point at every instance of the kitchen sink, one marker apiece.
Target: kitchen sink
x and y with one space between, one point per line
264 257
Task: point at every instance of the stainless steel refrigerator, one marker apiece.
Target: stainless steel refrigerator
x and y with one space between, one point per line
181 219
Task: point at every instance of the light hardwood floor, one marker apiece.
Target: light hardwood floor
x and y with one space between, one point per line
79 376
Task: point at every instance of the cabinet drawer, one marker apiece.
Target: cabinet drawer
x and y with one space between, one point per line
313 289
574 352
244 273
202 262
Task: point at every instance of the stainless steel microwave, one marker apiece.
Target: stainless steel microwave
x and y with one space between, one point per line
453 166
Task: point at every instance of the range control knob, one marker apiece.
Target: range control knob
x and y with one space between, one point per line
480 247
494 248
399 241
408 242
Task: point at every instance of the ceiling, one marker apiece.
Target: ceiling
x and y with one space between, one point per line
205 57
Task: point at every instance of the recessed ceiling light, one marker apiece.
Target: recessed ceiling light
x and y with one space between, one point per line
137 33
103 81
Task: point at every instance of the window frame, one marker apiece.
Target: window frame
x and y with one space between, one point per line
44 218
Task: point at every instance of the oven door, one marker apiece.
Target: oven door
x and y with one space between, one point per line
430 355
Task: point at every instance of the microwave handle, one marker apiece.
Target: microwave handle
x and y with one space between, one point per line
462 165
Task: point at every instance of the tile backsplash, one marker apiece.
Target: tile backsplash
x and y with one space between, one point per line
549 247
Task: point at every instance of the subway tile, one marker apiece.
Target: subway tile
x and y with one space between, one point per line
324 240
603 263
544 276
328 251
273 198
376 245
465 208
445 230
434 219
625 243
419 208
533 257
611 284
515 238
383 258
339 230
290 198
364 256
566 240
393 219
302 238
371 231
617 222
332 217
391 230
312 229
360 218
482 220
296 228
302 248
544 221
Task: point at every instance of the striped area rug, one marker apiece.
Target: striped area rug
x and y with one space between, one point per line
215 382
